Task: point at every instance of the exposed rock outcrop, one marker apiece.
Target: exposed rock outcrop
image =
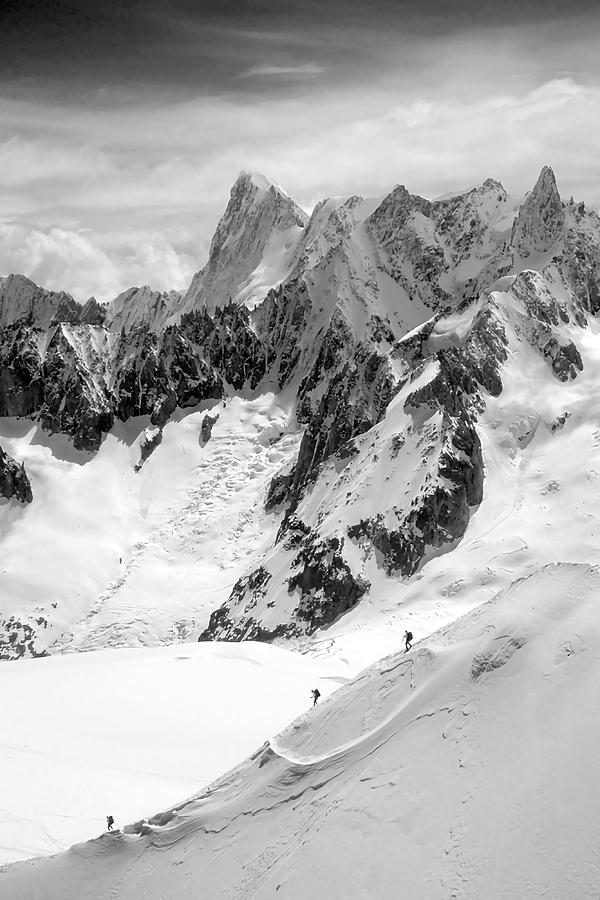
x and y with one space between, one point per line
13 479
208 423
541 219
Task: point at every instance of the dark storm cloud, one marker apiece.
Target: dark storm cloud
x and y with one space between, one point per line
75 45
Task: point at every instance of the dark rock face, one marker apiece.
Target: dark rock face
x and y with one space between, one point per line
355 400
280 321
229 344
464 371
208 423
13 479
359 386
249 589
73 402
442 513
148 446
82 381
21 377
321 579
324 581
18 639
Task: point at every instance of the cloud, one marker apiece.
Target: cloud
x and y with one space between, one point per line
270 71
128 188
86 264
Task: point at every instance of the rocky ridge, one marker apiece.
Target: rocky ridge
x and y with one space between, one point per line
390 323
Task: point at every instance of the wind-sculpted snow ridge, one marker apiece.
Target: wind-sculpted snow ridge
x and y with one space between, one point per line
401 782
393 332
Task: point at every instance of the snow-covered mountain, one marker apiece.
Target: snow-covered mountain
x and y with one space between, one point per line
382 416
140 306
22 300
368 373
251 249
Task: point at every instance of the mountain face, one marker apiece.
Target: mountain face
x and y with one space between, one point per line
388 328
22 299
260 226
13 479
541 219
140 306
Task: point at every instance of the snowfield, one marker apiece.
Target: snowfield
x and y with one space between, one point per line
125 732
150 553
453 771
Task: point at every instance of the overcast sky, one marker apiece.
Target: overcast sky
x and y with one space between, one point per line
123 123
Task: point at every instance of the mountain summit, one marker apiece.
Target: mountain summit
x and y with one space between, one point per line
250 249
541 218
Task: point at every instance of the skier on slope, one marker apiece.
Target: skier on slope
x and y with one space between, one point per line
315 694
407 640
110 822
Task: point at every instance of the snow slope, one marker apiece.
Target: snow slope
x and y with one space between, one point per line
125 731
111 556
463 769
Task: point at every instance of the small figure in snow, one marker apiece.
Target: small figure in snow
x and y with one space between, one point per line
315 694
407 640
110 822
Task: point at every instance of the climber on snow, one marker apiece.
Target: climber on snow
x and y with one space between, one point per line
110 822
315 694
407 640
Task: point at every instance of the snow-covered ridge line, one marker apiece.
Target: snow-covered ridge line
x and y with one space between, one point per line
417 756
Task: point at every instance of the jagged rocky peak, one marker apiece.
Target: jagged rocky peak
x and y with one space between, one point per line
394 210
22 299
256 208
141 306
92 312
260 227
483 201
541 218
